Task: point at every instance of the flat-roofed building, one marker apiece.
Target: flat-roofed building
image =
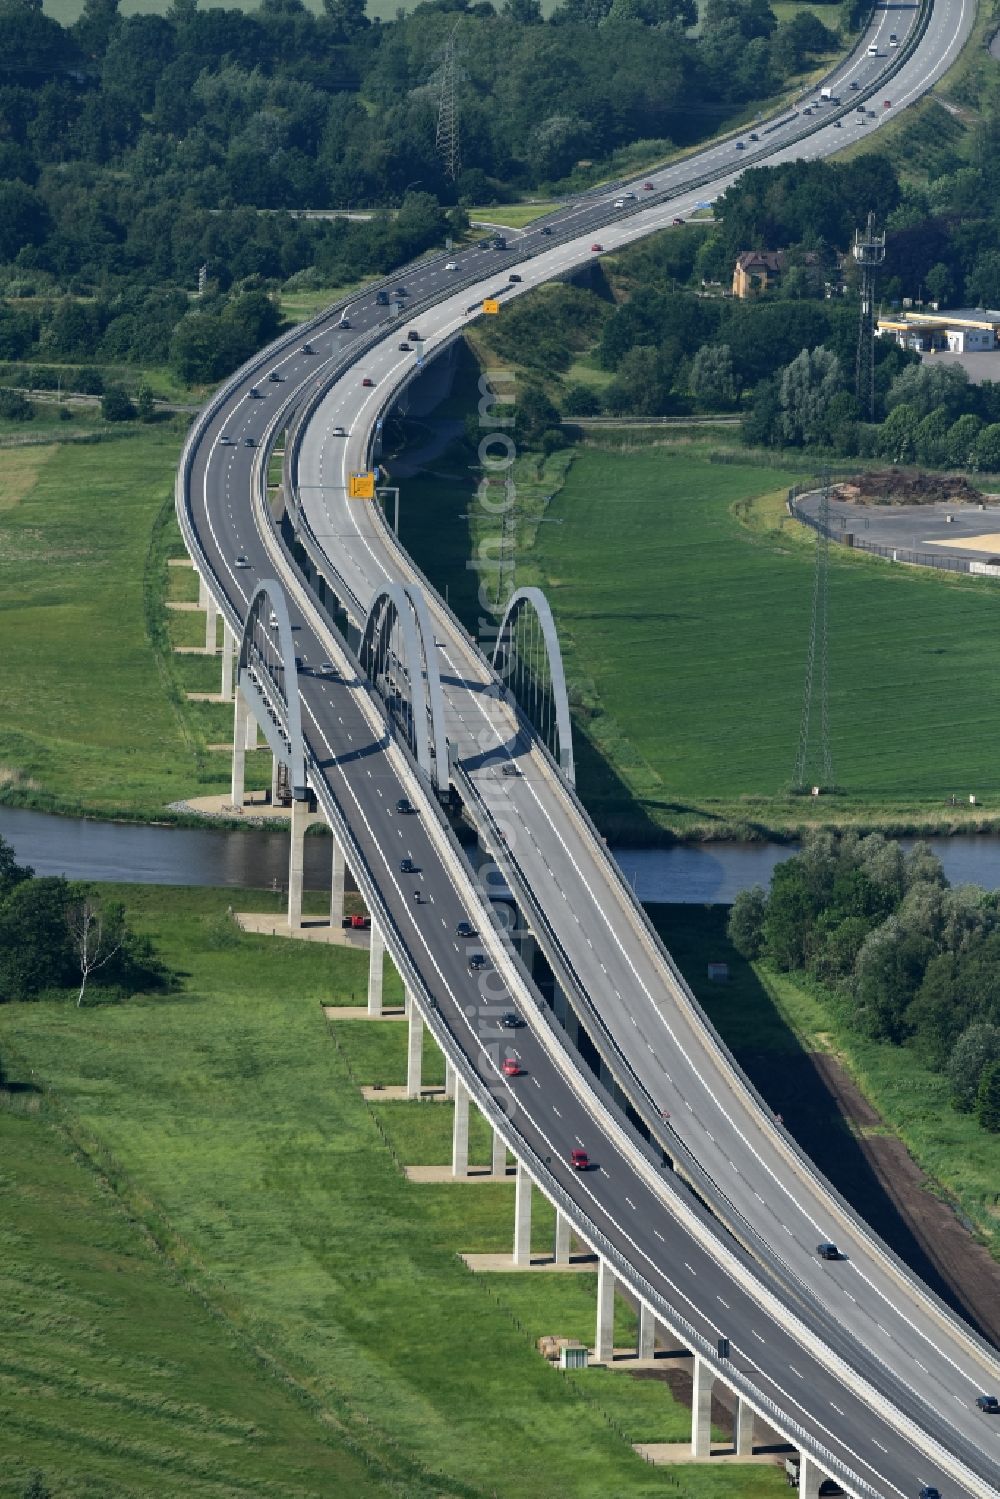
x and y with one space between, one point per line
969 330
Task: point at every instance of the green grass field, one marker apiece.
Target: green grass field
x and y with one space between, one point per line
251 1275
91 698
684 615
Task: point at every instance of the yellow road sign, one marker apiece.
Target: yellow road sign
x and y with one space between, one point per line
491 305
361 487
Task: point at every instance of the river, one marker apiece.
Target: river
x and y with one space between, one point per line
135 853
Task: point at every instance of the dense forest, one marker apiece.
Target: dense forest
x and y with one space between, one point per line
914 961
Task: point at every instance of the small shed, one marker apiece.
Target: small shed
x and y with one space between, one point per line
718 973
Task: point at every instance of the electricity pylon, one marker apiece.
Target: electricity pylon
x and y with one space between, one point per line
818 637
446 140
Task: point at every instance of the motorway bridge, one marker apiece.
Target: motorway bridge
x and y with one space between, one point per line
378 708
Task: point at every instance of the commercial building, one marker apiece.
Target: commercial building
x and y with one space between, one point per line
970 330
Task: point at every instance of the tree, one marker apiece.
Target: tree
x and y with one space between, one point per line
962 438
975 1048
988 1098
928 387
808 385
35 952
711 380
897 437
11 873
145 406
745 927
988 449
940 284
932 438
116 405
36 1488
97 933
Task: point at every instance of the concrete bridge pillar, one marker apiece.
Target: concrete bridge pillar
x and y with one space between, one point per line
203 594
275 768
414 1050
743 1428
701 1409
240 717
498 1162
449 1080
562 1239
229 648
522 1217
810 1478
338 871
252 733
604 1335
376 957
296 858
211 615
460 1131
647 1332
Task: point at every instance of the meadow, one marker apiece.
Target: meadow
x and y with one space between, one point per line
233 1189
683 595
92 708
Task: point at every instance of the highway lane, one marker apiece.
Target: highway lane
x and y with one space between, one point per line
545 1109
427 272
673 1055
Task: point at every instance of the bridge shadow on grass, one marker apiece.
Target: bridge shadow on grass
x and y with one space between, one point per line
793 1081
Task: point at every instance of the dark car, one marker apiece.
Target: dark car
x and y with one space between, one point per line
513 276
307 349
508 768
248 442
546 229
399 291
855 84
404 348
242 561
413 336
741 145
274 377
989 1403
465 929
930 1492
754 136
647 187
368 382
253 394
676 220
477 961
828 1251
407 866
404 805
511 1020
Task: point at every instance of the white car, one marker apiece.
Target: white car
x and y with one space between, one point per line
242 561
873 50
451 266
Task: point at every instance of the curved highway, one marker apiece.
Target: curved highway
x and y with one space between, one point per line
867 1309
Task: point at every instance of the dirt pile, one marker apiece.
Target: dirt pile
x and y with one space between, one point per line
898 486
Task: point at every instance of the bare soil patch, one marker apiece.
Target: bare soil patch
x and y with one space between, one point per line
899 486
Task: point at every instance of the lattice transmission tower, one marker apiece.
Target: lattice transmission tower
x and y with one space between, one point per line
869 252
818 644
447 138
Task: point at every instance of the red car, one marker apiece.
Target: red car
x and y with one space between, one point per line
677 221
510 1068
886 103
647 187
579 1160
596 246
368 381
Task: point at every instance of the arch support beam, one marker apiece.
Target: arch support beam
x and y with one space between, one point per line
404 604
267 676
534 600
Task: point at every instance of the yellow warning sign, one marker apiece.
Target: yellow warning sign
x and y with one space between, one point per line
361 487
491 305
